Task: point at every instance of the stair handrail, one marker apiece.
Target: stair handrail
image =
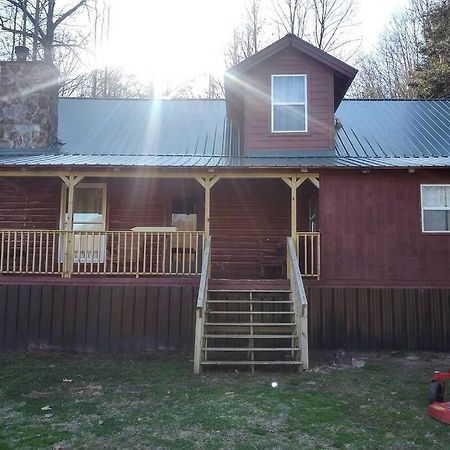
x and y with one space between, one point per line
201 303
299 301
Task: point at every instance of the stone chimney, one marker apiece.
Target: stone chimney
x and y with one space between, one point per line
28 104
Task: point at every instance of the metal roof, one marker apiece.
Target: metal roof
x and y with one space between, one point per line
194 133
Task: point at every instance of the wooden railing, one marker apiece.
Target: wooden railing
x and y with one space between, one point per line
299 301
31 252
120 253
201 305
308 251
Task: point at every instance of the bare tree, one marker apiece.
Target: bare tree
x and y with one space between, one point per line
332 22
40 22
327 24
247 37
291 16
386 72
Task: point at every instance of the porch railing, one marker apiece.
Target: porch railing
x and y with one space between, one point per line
123 253
308 251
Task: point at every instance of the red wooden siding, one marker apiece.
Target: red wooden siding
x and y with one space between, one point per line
30 203
371 230
257 109
96 318
250 220
140 202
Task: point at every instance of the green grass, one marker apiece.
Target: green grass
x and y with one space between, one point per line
137 403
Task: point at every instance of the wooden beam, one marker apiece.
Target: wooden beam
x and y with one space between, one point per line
315 181
150 173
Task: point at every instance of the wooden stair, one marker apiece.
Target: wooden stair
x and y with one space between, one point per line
255 323
244 327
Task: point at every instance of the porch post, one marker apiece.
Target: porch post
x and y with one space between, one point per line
207 183
293 182
71 181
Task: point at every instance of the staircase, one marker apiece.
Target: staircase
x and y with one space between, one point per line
250 328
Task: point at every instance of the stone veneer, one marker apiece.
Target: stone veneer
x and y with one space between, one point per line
28 104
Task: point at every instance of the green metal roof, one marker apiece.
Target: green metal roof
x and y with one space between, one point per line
195 133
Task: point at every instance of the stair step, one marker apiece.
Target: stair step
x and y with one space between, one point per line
250 312
250 301
247 363
250 336
258 291
250 349
246 324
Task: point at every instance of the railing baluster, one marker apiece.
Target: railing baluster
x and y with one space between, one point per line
144 257
14 251
164 253
131 253
54 250
46 251
20 252
138 252
190 253
8 251
2 251
171 253
157 253
151 254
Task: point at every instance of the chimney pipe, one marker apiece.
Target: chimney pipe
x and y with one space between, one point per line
22 53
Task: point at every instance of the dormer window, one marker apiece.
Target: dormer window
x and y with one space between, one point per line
289 104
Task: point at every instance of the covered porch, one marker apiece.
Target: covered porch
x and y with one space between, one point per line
117 224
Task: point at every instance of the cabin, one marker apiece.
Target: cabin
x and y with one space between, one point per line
245 231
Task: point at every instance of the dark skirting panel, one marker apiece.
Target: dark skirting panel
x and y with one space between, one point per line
133 319
142 318
379 318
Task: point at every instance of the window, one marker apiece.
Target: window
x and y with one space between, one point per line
289 104
435 208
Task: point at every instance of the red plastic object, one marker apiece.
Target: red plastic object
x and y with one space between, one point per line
438 408
440 411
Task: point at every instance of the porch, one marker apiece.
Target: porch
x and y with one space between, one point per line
113 227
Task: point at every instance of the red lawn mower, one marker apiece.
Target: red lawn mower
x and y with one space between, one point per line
438 408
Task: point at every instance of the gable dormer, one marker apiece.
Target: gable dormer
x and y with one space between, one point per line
283 98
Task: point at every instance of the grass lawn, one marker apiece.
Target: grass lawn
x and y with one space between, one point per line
137 403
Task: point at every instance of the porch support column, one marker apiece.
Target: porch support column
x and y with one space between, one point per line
71 181
294 182
207 183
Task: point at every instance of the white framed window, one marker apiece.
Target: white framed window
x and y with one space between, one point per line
289 104
435 200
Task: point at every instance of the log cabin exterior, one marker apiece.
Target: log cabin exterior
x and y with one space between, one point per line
281 218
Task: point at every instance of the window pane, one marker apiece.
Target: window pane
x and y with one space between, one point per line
436 196
289 118
87 200
289 89
436 220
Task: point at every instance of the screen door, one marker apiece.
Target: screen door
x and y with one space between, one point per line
89 214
